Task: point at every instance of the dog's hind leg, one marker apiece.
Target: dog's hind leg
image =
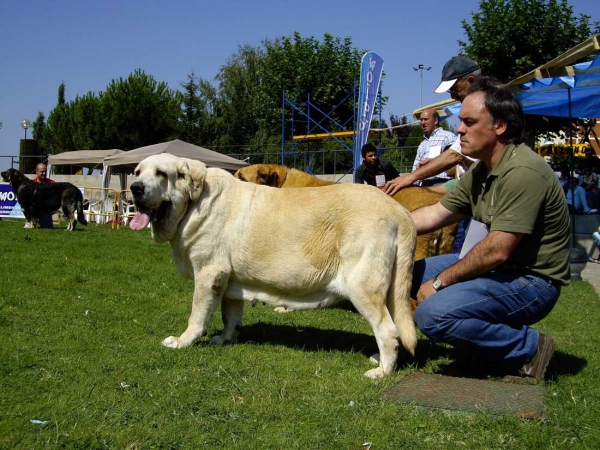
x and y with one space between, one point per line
372 307
70 215
231 314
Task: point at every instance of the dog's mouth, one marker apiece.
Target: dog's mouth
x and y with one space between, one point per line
144 216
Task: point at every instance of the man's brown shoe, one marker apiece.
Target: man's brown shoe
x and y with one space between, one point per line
536 368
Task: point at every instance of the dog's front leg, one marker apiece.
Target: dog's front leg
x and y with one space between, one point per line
208 292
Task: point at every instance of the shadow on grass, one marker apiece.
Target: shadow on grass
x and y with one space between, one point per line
308 338
445 360
454 363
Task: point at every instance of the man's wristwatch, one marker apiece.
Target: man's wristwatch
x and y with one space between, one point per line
437 284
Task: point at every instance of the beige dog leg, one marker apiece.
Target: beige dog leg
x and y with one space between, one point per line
208 291
386 335
231 314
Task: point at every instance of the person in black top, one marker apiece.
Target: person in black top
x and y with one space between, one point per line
374 171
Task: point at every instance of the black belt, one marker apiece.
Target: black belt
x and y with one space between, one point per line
434 181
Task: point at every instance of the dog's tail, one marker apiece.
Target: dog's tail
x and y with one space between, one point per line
80 213
398 298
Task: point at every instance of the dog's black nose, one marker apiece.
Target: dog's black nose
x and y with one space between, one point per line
137 188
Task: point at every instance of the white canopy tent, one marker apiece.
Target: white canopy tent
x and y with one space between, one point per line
91 159
126 161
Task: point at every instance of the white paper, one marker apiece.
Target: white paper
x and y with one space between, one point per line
476 232
380 180
434 150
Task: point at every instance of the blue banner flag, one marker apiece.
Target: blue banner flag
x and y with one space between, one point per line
370 77
8 202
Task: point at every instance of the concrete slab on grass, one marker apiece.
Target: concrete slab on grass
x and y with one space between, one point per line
469 395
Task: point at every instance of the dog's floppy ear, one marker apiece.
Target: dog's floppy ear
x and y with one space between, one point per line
267 176
193 172
238 174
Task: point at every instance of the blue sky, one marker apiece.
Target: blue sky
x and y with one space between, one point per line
86 44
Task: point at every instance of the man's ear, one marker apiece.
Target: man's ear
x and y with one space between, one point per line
499 127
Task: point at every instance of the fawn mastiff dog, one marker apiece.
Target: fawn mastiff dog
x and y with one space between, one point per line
306 248
438 242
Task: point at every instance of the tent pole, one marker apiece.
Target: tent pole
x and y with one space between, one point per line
571 169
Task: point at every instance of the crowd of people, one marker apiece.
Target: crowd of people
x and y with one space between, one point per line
582 188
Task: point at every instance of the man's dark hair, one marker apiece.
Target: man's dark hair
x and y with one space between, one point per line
367 148
502 105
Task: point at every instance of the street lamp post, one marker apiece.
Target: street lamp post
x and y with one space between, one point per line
25 123
421 68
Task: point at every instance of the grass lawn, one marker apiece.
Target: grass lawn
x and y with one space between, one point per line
82 316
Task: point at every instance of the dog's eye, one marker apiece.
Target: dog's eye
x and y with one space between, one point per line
137 173
160 173
180 175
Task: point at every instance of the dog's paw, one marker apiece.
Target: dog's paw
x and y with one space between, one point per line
375 373
217 340
171 342
283 309
220 340
375 359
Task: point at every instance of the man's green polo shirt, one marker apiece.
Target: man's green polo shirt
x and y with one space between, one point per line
521 195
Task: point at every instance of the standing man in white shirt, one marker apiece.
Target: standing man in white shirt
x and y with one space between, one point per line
458 75
436 140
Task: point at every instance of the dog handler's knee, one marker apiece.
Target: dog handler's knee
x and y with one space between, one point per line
429 321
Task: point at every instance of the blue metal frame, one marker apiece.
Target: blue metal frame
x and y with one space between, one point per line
313 126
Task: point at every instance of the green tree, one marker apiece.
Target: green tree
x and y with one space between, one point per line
138 111
192 111
509 38
239 111
400 134
304 66
41 132
60 125
131 113
201 122
88 130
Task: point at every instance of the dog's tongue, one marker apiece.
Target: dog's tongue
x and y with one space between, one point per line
141 220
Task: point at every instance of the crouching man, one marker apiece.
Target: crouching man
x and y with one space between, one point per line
485 302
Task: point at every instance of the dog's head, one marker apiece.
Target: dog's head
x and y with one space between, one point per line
164 188
266 174
14 178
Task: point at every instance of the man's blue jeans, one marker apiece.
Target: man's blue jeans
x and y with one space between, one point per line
488 316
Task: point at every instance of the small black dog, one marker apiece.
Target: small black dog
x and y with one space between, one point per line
44 198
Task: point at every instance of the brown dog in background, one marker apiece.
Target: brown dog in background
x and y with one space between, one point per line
437 242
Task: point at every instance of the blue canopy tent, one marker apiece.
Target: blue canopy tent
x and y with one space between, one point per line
555 89
575 96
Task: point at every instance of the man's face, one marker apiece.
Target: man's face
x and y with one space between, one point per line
40 171
478 136
460 88
428 122
371 158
